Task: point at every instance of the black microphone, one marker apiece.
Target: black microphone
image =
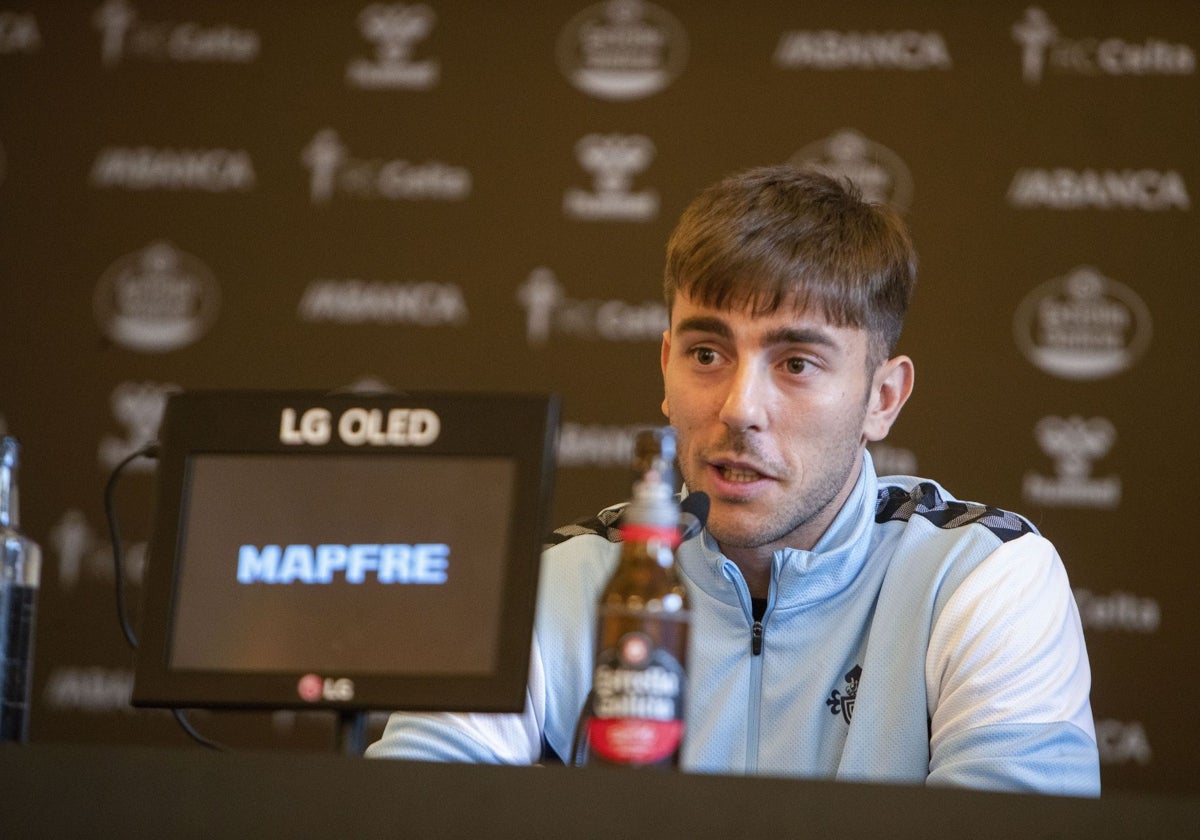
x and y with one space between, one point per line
693 514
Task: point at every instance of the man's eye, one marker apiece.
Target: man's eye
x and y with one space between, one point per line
705 355
797 365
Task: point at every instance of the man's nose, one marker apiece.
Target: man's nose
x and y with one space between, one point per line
744 407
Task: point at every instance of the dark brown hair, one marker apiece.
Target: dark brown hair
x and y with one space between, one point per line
779 236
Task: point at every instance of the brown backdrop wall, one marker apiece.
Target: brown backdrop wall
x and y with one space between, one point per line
460 195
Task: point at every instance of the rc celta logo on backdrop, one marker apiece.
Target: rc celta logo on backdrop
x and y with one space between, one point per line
613 160
1082 326
144 168
334 171
1073 443
123 34
156 299
394 29
19 33
548 310
875 169
622 49
1044 50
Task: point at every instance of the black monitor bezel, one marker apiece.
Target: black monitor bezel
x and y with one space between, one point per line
522 427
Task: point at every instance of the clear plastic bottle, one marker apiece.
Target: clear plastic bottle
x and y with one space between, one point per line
20 574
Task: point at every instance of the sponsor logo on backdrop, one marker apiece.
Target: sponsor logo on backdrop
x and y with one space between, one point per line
549 311
893 460
19 33
827 49
334 171
138 407
613 160
124 34
156 299
353 301
394 28
94 690
1082 326
1074 443
1118 612
1122 742
1044 50
145 168
876 170
622 49
1099 189
592 445
83 556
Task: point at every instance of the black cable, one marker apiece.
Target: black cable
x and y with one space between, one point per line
150 450
196 736
579 743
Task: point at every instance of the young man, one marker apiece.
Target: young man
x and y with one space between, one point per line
843 625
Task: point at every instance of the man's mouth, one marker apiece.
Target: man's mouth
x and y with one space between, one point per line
739 475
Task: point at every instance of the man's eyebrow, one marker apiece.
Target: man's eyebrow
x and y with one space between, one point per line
799 335
705 324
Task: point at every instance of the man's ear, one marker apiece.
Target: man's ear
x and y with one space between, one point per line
891 386
666 355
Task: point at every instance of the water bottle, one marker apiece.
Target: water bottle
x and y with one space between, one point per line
20 573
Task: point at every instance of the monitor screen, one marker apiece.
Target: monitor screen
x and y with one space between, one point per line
345 551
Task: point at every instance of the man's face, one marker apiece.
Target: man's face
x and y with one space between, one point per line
771 414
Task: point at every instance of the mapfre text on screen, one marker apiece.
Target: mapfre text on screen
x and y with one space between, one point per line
427 563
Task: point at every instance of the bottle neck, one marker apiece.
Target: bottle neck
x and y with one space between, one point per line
9 453
8 496
636 532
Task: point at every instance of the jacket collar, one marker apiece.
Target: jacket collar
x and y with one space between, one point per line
798 577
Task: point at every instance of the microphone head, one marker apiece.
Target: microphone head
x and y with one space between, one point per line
693 514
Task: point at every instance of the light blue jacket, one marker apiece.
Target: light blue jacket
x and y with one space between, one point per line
922 640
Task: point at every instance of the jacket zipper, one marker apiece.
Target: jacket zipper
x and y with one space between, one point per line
754 700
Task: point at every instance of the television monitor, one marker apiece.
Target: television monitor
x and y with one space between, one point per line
345 551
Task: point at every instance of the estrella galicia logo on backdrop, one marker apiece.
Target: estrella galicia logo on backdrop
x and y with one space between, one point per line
613 160
123 34
549 310
334 171
156 299
875 169
622 49
19 33
1044 49
394 28
1082 326
1074 443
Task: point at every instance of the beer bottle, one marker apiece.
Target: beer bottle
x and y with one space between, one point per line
636 714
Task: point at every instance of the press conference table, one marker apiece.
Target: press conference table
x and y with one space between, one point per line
65 791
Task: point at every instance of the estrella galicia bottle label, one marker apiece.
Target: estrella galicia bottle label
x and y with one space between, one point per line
637 703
